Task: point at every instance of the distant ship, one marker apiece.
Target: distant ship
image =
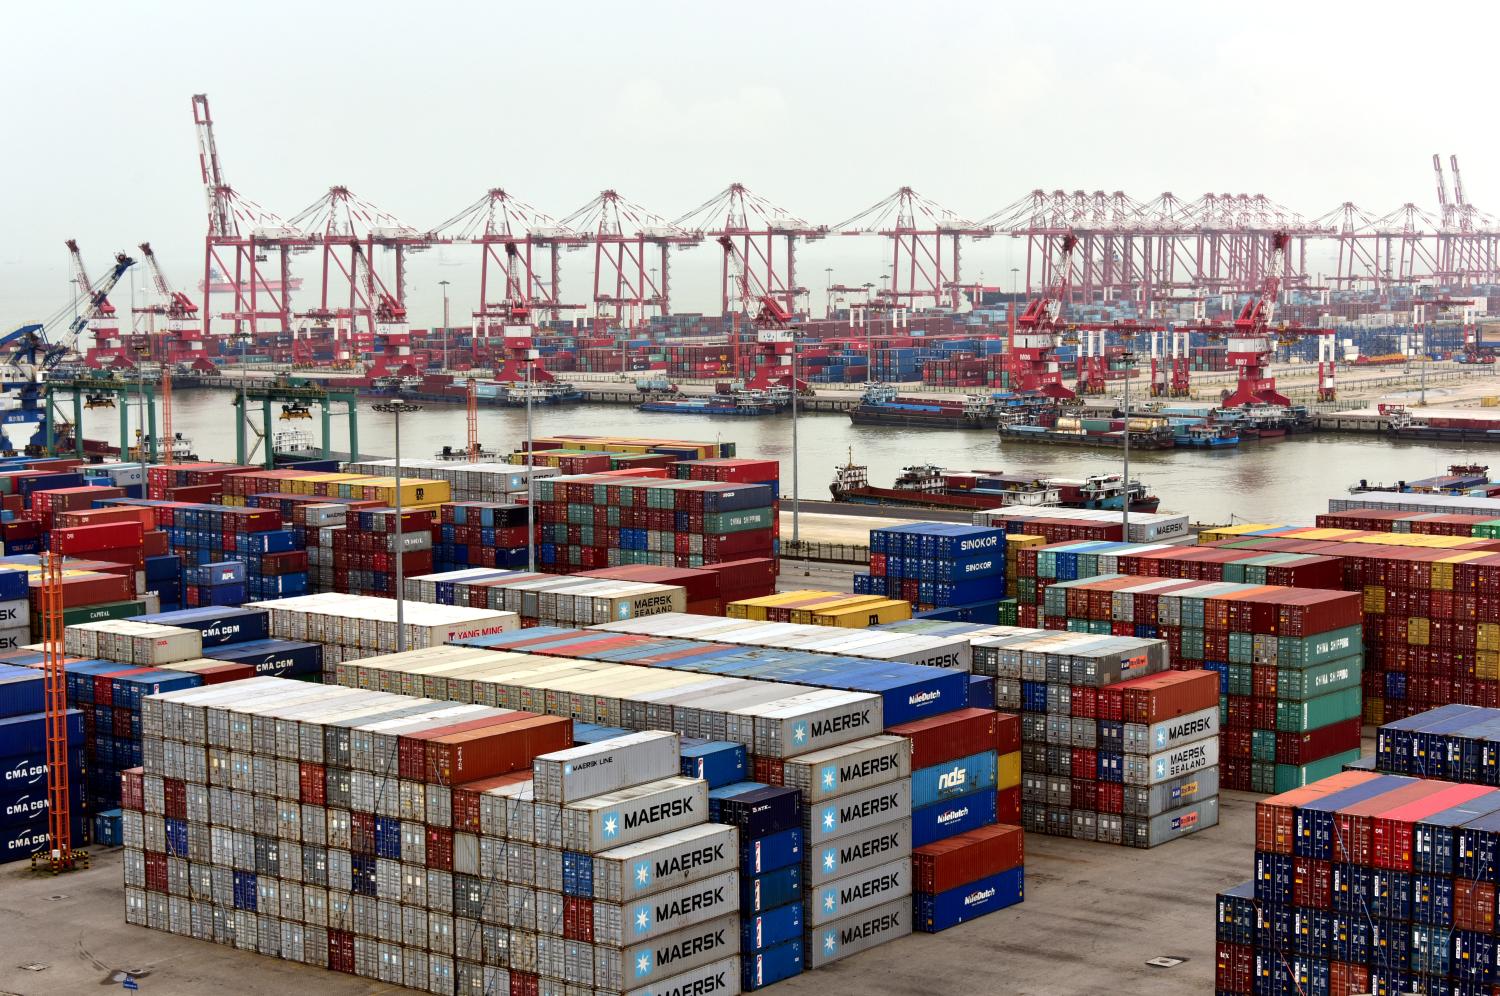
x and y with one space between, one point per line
219 284
743 402
930 486
882 405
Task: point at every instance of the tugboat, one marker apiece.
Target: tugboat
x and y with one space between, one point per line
881 405
930 486
1198 434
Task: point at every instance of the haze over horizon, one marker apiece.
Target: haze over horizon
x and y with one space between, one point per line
823 109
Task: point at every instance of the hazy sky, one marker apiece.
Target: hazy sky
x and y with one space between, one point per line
824 108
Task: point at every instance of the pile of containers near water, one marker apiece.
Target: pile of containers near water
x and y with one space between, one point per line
1058 525
949 571
24 803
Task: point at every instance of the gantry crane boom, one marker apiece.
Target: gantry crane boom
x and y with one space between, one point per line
1037 334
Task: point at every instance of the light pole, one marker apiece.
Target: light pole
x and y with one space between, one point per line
796 501
1015 281
828 294
1128 358
530 472
446 333
396 409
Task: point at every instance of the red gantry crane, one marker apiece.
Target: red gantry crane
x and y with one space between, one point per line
184 340
1038 332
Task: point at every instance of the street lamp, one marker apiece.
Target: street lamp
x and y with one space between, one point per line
1015 278
1128 359
444 284
530 471
828 294
396 409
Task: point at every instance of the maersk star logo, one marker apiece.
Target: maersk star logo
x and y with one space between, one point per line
611 824
830 778
643 919
643 874
799 733
830 901
643 964
830 942
830 819
830 859
1161 737
1161 768
567 769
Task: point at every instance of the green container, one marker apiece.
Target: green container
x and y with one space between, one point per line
720 523
1241 648
99 613
1263 777
1263 745
1487 530
1009 612
1305 683
1290 776
1303 651
1025 591
1299 717
1192 644
1241 679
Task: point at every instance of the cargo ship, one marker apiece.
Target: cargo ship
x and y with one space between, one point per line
930 486
882 405
490 393
1053 427
743 402
1401 423
1461 479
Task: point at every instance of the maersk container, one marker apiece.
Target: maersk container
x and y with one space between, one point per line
760 931
952 779
765 968
856 852
769 853
1141 769
859 892
945 819
1140 738
811 721
664 862
1142 800
632 814
616 969
942 910
718 762
721 978
1172 824
860 932
851 767
871 807
759 893
622 924
595 769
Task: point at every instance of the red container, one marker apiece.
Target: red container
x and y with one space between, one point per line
1474 905
1234 968
955 861
133 789
87 539
156 872
770 770
578 919
411 747
1008 805
465 799
440 848
1354 826
495 750
174 798
1157 697
1275 817
1391 832
1312 883
221 672
362 832
950 736
341 951
1346 978
1303 748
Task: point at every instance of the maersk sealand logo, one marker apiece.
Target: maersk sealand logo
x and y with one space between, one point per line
567 769
830 819
830 859
643 964
611 824
830 941
643 918
830 900
1161 767
830 777
643 874
1161 736
799 733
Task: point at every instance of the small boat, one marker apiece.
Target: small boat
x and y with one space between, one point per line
1190 434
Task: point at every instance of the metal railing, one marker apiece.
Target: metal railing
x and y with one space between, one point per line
833 553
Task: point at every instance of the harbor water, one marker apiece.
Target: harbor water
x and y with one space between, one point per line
1287 480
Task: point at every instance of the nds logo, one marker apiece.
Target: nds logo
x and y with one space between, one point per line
830 778
952 781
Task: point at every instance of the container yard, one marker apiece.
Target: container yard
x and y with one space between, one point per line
411 583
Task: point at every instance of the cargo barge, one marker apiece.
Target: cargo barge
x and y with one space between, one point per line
742 403
1153 437
1461 479
881 405
495 394
1402 424
930 486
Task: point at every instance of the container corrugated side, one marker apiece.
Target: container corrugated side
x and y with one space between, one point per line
633 814
618 925
857 811
848 768
859 892
851 935
832 859
596 769
617 968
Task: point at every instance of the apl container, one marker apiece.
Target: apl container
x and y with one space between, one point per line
853 934
859 892
665 862
595 769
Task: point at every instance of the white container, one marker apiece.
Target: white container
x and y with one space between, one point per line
595 769
852 767
860 932
633 814
619 925
1141 769
640 964
871 807
1141 738
859 892
664 862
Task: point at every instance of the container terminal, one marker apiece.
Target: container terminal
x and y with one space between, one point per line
578 712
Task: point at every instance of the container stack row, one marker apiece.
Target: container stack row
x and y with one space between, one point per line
939 566
821 608
480 534
1288 663
1059 525
550 599
24 812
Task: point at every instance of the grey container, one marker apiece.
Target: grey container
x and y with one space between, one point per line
856 893
857 811
1142 800
1141 738
632 814
860 932
607 766
1169 826
620 924
1141 769
843 856
718 978
664 862
663 957
805 723
837 771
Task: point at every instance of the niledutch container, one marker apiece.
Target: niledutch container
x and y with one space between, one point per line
947 819
934 912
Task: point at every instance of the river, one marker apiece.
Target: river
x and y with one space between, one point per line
1289 480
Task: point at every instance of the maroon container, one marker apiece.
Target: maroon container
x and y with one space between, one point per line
87 539
496 749
311 784
1234 968
948 737
578 919
955 861
362 833
1304 748
341 951
465 799
411 748
1008 805
133 789
440 848
174 796
1155 697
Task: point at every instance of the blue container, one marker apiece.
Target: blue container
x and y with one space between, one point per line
965 776
947 819
1273 878
274 658
1435 838
220 573
218 626
1313 826
909 691
163 568
719 762
766 930
245 891
986 613
592 733
939 911
27 734
177 839
14 582
578 874
20 842
758 810
759 893
129 689
770 853
108 828
388 837
773 965
20 690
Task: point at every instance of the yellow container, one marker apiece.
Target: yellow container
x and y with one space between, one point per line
1442 577
1374 599
1489 401
1233 532
414 490
755 608
1417 632
804 614
1487 636
1487 665
859 617
1016 540
1008 771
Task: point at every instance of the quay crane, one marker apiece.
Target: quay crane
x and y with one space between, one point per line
1037 333
29 353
